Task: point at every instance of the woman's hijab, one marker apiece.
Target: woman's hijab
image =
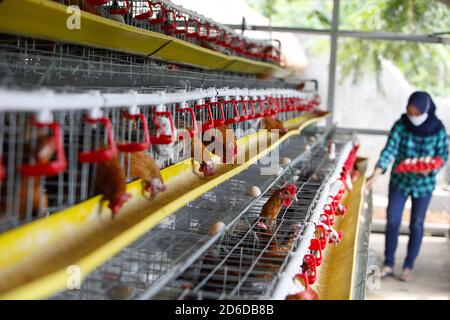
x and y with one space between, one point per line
432 125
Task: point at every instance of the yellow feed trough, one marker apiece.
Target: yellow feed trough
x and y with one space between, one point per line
336 274
45 19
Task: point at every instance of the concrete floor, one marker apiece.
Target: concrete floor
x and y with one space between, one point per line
432 271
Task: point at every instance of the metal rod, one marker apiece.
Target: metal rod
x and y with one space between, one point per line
333 57
376 132
389 36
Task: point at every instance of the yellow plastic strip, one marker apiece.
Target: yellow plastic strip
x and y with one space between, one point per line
24 245
249 66
336 274
46 19
360 200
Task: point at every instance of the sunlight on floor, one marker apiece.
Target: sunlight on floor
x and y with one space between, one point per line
432 271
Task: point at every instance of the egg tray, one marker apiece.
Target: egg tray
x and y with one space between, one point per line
418 165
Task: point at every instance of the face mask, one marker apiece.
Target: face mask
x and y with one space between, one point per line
418 120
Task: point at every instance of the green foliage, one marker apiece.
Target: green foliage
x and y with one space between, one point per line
426 66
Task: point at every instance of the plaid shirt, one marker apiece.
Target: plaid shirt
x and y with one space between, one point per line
404 144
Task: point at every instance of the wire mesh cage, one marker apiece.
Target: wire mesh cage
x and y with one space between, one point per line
181 260
246 261
50 164
68 149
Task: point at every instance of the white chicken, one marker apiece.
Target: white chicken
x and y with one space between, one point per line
117 17
355 140
335 187
333 236
165 151
331 150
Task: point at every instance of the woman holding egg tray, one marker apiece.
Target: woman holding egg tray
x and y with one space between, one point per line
418 145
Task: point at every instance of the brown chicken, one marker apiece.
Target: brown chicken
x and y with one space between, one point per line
31 196
201 154
225 144
281 197
269 243
31 186
110 182
274 124
307 294
234 266
276 247
143 166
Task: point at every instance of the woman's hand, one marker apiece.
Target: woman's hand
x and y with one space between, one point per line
373 178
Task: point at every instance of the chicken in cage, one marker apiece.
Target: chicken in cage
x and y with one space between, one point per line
186 122
120 11
101 171
200 153
211 113
230 109
134 146
272 123
33 152
207 35
245 261
169 26
91 6
133 133
112 144
143 12
77 150
249 255
308 293
163 134
182 26
193 30
222 141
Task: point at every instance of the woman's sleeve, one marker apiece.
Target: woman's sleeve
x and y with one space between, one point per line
442 145
390 151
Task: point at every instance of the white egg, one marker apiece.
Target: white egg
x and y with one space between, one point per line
216 228
285 160
254 191
307 147
117 17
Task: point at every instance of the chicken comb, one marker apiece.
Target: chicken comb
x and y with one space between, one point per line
292 188
261 224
